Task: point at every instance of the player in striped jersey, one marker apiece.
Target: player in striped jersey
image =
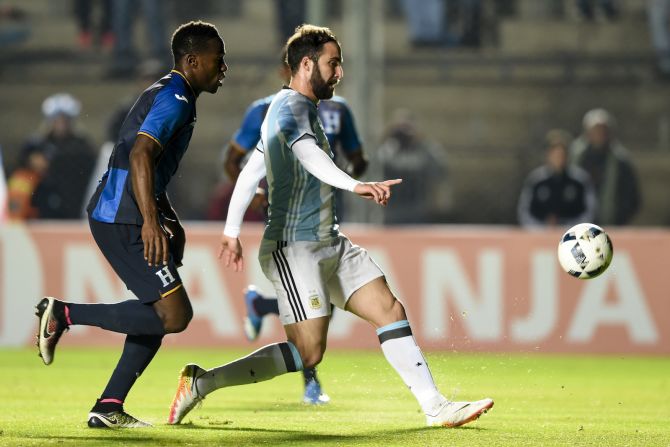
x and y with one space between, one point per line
338 124
310 263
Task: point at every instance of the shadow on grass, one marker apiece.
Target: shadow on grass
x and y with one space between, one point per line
276 436
113 436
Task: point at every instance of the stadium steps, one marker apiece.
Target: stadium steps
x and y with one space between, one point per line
518 115
548 37
488 108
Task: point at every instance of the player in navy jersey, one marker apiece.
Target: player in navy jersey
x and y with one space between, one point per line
338 125
135 227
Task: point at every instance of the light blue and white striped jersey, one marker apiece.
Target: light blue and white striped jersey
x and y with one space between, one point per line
302 208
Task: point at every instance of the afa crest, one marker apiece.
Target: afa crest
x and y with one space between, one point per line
315 302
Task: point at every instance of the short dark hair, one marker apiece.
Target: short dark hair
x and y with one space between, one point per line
308 40
193 37
283 55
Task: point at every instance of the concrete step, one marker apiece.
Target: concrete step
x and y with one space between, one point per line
519 36
652 169
493 116
534 9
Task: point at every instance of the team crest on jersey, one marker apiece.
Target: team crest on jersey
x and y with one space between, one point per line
166 276
315 302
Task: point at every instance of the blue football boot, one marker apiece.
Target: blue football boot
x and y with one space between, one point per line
314 395
253 321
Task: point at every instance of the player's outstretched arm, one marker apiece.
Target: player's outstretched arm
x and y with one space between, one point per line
321 166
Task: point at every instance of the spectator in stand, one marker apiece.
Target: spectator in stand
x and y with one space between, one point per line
4 202
587 8
70 155
555 193
609 165
290 15
658 12
470 12
124 55
421 163
429 25
14 28
83 9
22 185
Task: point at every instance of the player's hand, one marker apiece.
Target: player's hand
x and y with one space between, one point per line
155 239
177 240
231 253
380 192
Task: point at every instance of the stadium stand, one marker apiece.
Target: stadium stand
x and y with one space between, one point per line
488 107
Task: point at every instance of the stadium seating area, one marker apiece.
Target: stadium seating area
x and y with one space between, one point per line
489 108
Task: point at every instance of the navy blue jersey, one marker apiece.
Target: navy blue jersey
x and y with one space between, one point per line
165 112
334 114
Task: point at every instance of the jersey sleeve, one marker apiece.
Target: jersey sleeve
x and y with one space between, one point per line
169 112
349 140
249 133
297 118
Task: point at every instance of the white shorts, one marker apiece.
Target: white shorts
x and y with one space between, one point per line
309 276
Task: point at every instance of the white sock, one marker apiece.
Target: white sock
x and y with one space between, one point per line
402 352
264 364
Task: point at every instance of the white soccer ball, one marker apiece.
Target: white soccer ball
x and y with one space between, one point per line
585 251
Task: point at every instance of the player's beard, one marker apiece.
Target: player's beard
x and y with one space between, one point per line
321 88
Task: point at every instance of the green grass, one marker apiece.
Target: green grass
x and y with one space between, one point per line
540 400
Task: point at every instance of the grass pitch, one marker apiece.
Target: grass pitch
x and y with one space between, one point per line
539 400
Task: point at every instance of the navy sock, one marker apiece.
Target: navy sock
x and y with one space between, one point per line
130 317
138 351
264 306
309 374
102 406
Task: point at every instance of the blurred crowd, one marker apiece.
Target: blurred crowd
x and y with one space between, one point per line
591 179
587 178
55 166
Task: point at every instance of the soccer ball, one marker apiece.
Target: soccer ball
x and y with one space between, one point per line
585 251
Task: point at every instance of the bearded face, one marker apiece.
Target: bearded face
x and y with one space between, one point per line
322 88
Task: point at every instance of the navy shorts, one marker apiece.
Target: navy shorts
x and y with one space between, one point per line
123 247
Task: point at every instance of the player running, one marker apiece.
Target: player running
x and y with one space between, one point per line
136 228
304 255
339 128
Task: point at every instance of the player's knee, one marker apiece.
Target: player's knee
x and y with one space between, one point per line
177 323
175 326
175 318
